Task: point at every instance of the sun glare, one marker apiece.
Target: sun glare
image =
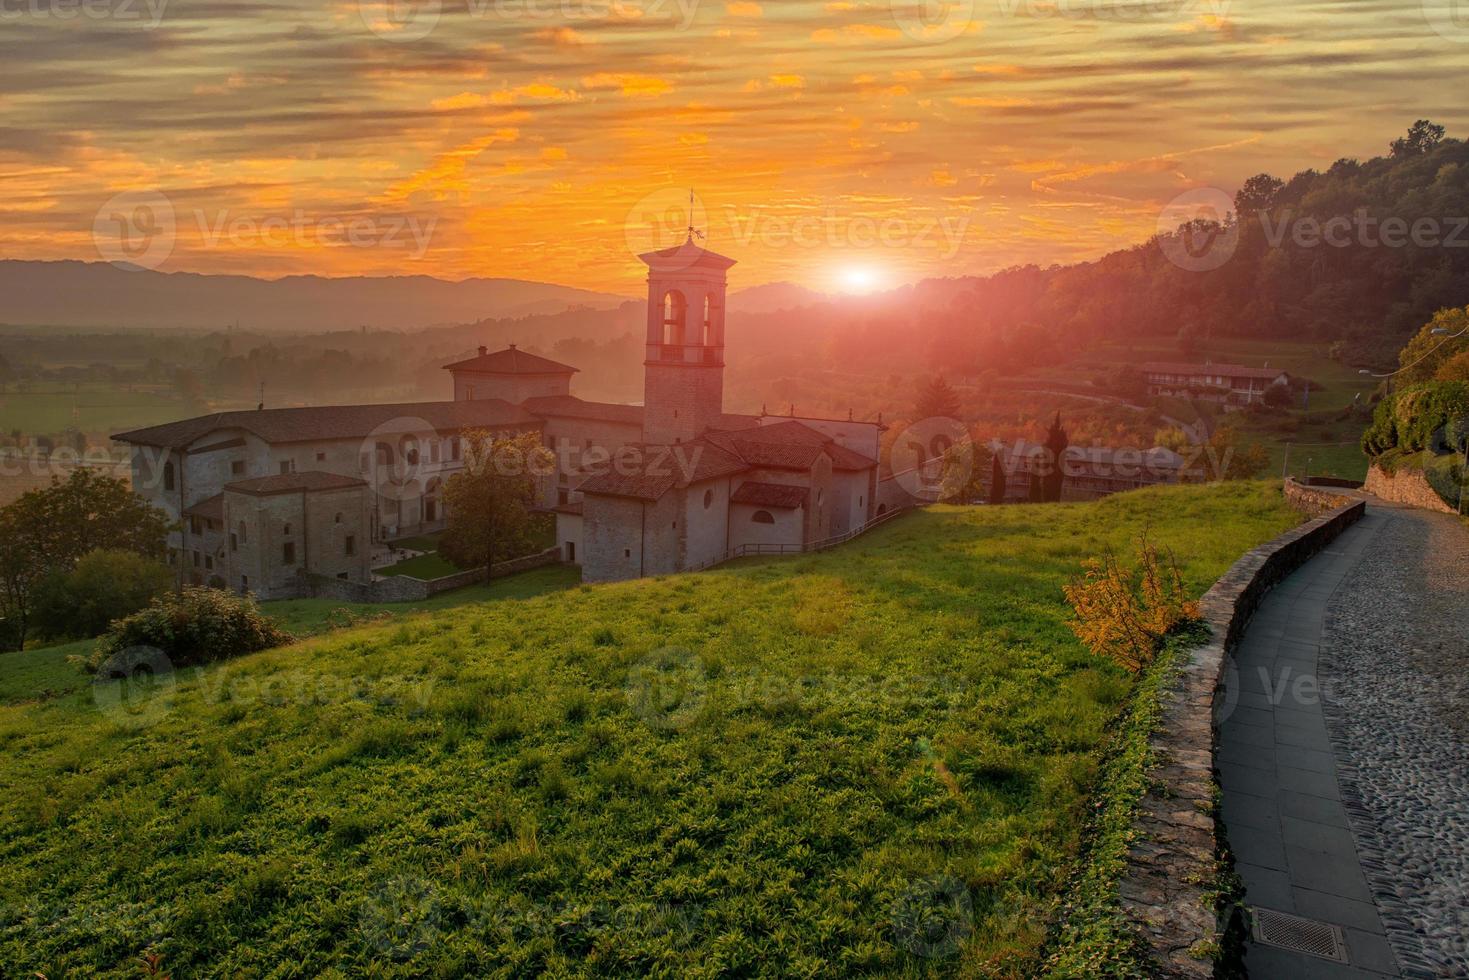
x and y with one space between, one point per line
859 279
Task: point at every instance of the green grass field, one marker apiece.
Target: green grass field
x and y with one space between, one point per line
875 761
87 406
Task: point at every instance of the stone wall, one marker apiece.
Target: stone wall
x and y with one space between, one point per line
1406 486
1172 867
1312 499
401 588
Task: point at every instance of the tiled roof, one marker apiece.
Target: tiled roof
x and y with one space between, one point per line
769 495
786 445
655 470
210 508
571 407
1222 370
282 425
789 445
511 361
310 481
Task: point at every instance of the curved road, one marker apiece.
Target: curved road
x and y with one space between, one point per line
1344 752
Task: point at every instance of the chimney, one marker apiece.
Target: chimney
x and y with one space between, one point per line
483 350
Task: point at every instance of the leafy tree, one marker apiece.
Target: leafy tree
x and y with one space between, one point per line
1455 368
1423 137
488 503
1173 438
1259 193
105 585
49 530
1279 396
1231 458
1426 352
963 473
937 400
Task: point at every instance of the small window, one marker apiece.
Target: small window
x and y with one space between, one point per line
243 535
762 517
237 467
342 575
861 502
168 478
288 553
286 467
338 518
209 562
321 457
234 542
454 449
244 583
627 552
196 558
350 546
563 496
675 525
286 529
708 499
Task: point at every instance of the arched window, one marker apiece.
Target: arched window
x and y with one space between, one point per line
761 517
168 475
882 509
338 518
708 322
675 316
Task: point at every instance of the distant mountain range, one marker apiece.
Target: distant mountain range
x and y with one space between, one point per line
98 294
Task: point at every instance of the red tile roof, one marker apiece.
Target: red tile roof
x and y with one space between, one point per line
786 445
282 425
571 407
769 495
651 471
210 508
511 361
310 481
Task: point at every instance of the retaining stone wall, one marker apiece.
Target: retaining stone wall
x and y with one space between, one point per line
1406 486
401 588
1172 868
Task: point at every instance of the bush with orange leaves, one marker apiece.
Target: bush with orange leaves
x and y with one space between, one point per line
1124 614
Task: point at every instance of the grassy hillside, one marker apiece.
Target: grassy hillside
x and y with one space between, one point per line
870 761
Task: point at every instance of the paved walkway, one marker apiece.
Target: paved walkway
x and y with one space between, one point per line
1307 797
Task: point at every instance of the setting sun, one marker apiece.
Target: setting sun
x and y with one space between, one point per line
859 279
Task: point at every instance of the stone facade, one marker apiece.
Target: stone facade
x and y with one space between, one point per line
1406 486
274 536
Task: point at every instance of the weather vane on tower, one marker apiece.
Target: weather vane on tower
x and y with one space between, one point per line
693 233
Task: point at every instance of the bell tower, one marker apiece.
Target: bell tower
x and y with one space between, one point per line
683 372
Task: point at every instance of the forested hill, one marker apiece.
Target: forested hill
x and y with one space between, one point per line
1373 290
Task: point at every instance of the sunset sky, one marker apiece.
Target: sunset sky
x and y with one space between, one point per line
843 144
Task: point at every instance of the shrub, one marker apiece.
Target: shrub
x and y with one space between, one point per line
105 585
1126 614
195 626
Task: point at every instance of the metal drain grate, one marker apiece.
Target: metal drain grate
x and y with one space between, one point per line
1299 935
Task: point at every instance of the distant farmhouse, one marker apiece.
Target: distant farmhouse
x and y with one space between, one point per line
1227 384
271 501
